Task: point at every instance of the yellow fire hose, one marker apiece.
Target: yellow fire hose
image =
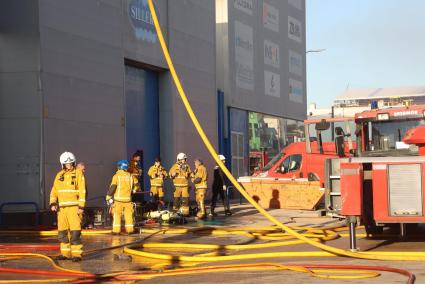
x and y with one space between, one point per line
50 233
331 250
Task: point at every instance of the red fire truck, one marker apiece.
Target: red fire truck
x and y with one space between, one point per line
383 186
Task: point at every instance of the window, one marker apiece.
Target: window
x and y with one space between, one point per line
290 164
238 168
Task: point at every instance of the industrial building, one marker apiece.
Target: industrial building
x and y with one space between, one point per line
353 101
88 76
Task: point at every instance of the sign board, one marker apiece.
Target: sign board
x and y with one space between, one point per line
271 54
295 63
294 29
270 17
244 6
271 84
141 20
244 56
296 92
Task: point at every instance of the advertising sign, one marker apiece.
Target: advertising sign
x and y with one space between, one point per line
296 92
271 54
295 63
244 56
244 6
271 84
294 29
270 17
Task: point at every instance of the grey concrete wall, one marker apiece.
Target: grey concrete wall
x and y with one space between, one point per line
192 46
82 83
20 102
65 60
257 24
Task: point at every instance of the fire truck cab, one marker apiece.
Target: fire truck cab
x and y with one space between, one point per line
306 159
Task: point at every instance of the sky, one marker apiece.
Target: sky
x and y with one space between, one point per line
369 44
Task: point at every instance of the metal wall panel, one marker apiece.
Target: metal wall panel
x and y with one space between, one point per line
20 102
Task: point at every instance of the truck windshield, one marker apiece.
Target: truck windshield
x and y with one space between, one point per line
388 135
273 161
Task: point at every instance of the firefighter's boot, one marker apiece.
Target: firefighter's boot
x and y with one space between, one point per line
185 206
201 210
161 204
212 212
176 203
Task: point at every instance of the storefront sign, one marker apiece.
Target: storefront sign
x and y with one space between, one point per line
141 20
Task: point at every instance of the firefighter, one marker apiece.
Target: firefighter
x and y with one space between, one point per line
135 167
180 173
219 188
68 198
119 197
157 174
199 179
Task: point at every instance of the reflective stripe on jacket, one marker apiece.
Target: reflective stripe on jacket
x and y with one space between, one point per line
155 175
180 173
200 177
69 189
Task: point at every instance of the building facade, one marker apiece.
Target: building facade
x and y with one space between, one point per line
261 72
89 76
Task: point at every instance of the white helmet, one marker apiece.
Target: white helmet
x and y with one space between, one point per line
181 156
67 158
222 158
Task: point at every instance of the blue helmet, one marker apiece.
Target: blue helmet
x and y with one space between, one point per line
122 165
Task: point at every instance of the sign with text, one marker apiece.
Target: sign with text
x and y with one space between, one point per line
294 29
295 63
271 54
271 84
141 20
296 92
244 6
270 17
244 56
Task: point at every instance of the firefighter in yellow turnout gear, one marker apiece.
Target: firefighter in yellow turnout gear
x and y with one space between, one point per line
157 174
119 197
199 179
68 198
180 173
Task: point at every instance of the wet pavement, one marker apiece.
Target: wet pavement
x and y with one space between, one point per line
110 261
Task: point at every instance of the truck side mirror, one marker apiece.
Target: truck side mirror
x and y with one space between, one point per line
322 125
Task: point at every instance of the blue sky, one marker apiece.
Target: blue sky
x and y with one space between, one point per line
369 43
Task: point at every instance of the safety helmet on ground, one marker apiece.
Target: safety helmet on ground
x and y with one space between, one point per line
122 165
67 158
222 158
181 156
